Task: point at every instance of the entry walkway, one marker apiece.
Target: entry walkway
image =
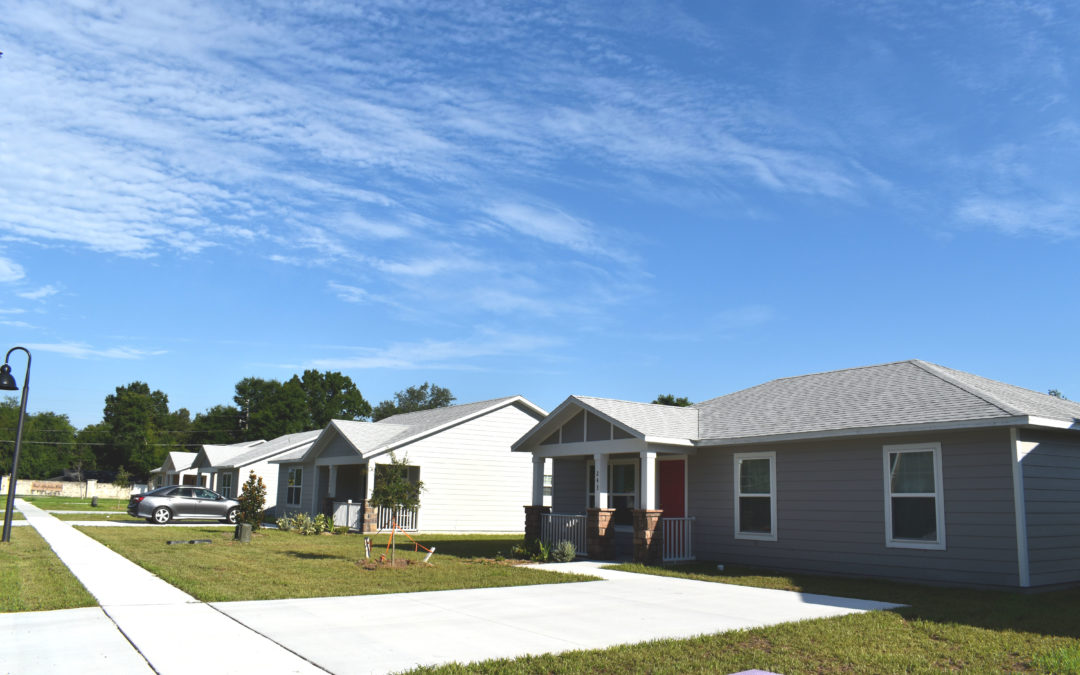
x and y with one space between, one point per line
373 633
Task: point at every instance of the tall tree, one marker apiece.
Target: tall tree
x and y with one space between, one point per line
669 399
269 409
218 425
136 418
47 441
331 396
424 397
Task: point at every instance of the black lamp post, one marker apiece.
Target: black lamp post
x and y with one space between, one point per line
7 383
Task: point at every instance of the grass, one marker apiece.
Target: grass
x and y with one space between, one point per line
32 578
943 629
288 565
118 517
75 503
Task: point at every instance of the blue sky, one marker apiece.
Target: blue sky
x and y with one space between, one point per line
613 199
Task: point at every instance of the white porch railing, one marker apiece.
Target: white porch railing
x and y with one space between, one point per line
678 539
405 519
556 527
348 514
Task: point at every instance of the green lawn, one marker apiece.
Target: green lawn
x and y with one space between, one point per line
115 516
32 578
942 630
287 565
75 503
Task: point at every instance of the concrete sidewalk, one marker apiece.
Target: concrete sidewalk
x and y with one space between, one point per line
172 631
374 633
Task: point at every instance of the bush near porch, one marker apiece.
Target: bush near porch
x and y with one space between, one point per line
942 629
285 565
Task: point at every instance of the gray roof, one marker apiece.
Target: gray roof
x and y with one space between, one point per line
650 419
892 394
277 446
371 438
180 460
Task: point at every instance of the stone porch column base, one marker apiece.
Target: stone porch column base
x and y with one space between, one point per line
533 521
648 536
600 534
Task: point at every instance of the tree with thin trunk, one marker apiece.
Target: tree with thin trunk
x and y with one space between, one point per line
393 490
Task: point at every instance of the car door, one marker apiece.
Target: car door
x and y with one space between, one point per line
184 503
208 503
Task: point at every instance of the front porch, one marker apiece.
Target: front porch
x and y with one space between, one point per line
621 505
344 491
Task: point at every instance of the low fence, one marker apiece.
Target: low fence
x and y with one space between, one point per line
678 539
556 527
27 487
405 519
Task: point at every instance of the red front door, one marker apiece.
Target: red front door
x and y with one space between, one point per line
673 487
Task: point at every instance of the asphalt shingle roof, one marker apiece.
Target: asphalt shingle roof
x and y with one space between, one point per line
891 394
269 448
649 419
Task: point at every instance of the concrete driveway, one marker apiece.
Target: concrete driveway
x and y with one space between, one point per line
146 625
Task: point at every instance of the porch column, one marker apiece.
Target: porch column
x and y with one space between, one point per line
648 480
537 480
369 487
368 517
331 490
601 487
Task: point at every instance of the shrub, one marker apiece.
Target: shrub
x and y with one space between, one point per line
323 523
563 551
531 549
285 523
252 501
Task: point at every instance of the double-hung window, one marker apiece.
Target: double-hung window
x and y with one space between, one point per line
292 493
755 495
226 484
914 505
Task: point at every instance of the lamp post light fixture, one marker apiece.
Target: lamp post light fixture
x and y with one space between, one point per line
7 383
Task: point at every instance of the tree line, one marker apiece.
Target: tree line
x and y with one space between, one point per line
138 429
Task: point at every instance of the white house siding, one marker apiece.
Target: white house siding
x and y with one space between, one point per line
269 473
1051 469
831 513
473 483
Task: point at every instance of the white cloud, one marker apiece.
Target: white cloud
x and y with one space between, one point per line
1054 218
554 227
80 350
41 293
443 354
10 270
16 324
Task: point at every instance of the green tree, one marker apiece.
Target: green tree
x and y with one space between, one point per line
91 449
269 409
47 441
331 396
393 489
123 477
219 425
1057 394
425 397
252 501
136 418
669 399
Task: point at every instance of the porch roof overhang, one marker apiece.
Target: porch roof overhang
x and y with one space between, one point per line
663 446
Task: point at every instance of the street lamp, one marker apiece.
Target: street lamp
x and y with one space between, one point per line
7 383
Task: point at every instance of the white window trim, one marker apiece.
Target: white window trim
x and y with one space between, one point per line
226 490
938 495
737 490
299 486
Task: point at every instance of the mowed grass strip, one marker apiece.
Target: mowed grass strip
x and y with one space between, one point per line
288 565
33 579
75 503
942 630
118 517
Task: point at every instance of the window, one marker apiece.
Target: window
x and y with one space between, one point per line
914 508
292 493
622 489
226 485
547 484
755 495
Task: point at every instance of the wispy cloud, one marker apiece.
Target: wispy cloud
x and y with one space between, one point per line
10 270
461 354
1054 218
16 324
81 350
41 293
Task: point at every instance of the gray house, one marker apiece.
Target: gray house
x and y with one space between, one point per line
905 470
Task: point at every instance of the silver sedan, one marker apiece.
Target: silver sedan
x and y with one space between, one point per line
175 502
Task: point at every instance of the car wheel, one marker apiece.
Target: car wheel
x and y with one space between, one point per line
162 515
233 514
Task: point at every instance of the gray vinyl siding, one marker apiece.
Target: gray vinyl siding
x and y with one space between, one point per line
831 510
568 491
1051 470
338 447
307 489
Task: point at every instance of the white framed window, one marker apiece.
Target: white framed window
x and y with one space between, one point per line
914 499
292 493
226 484
622 488
755 495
